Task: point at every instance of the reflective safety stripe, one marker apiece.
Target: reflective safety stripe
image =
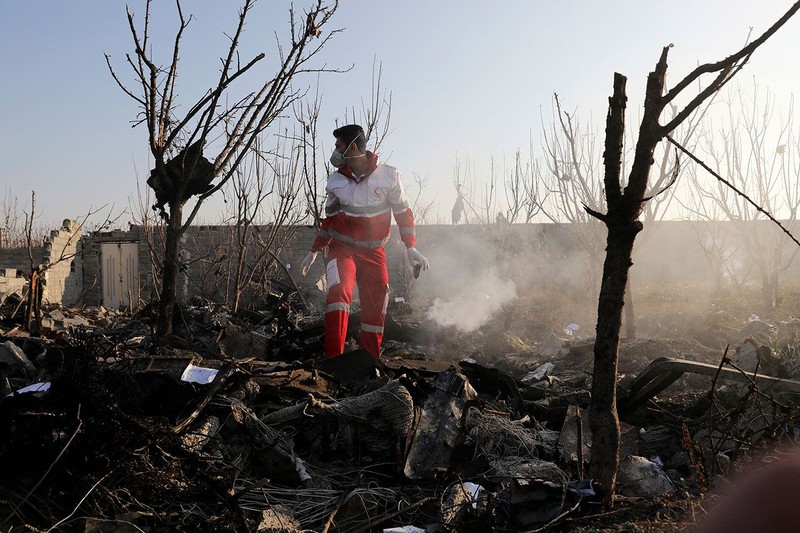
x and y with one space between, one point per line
324 234
361 244
407 230
337 306
366 210
332 273
399 208
371 329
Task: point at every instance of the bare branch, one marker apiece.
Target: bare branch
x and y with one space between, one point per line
734 189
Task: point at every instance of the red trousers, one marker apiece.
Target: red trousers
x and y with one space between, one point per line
348 265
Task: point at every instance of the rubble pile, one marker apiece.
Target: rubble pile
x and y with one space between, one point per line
235 422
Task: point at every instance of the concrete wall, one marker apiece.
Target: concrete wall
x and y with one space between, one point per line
91 271
58 256
63 275
533 256
11 281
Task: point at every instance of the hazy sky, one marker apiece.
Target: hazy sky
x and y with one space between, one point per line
469 79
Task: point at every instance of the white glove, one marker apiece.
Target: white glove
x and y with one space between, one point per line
307 262
417 260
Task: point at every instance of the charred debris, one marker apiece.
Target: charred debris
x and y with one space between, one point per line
235 422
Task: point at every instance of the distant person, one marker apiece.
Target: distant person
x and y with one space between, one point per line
458 207
362 196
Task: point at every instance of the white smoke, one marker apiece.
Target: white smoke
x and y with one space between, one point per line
468 311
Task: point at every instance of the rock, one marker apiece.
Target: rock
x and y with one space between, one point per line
278 519
641 477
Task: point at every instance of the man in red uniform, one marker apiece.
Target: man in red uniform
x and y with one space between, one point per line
362 196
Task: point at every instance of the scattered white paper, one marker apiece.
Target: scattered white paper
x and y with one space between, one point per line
571 329
399 300
36 387
404 529
474 490
198 374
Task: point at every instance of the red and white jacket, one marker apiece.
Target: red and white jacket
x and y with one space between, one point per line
358 210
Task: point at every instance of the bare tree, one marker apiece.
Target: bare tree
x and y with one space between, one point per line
16 230
177 143
624 205
524 197
374 116
573 166
58 253
761 158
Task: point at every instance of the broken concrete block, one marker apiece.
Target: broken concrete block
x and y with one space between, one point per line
541 372
197 439
278 519
641 477
751 356
462 503
758 330
439 429
15 358
57 315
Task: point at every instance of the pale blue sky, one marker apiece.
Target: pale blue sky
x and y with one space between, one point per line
468 77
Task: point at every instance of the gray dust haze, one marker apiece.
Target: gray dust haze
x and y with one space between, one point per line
465 285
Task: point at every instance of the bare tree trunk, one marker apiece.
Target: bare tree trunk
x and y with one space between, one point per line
623 225
622 220
603 418
171 267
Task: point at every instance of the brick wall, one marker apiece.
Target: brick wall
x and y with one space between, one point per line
533 255
63 275
18 258
11 281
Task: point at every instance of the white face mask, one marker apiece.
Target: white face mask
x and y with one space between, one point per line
338 159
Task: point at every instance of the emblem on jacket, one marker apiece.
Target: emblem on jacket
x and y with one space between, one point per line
380 193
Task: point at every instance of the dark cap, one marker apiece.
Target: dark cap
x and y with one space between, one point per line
352 133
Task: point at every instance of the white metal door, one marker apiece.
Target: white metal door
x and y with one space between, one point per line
120 274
